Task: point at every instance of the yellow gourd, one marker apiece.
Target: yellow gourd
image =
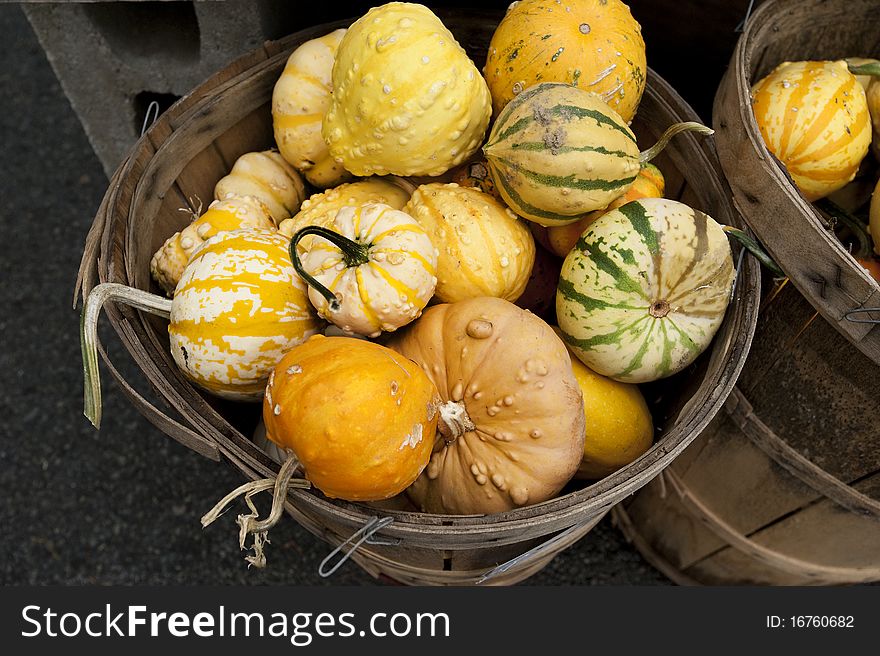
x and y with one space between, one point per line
406 97
233 213
619 427
874 217
267 177
485 249
238 308
300 99
813 116
595 45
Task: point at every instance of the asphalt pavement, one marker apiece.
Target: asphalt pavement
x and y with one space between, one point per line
122 506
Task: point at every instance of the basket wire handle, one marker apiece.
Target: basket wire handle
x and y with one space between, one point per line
363 534
151 115
741 26
854 313
534 552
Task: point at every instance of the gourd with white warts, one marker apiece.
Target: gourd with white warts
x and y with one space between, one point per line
267 177
595 45
320 209
485 249
557 152
406 98
239 306
234 213
300 99
511 430
374 271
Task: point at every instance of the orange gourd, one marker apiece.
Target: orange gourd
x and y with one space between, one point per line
359 417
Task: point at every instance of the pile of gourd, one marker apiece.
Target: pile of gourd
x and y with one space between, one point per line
396 324
820 119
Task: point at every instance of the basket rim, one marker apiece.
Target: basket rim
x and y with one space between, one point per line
564 510
864 290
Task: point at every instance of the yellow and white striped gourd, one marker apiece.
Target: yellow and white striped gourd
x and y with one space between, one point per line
595 45
233 213
813 116
238 307
300 99
267 177
406 98
485 249
374 271
645 289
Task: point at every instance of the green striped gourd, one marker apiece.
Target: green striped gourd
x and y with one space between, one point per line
645 289
557 152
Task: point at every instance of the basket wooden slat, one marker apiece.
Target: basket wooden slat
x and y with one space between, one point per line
180 157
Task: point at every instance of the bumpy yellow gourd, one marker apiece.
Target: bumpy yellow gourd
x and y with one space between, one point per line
406 97
484 248
320 209
238 308
299 101
813 116
595 45
267 177
233 213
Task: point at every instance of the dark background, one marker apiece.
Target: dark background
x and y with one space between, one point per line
122 506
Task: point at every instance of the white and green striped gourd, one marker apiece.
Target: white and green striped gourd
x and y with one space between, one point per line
644 290
557 152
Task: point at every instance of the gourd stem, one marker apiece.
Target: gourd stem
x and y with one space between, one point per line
871 67
353 254
688 126
454 421
249 524
755 249
856 227
88 335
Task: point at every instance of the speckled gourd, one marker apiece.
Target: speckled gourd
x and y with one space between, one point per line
645 289
300 99
484 248
233 213
594 45
511 429
406 98
373 270
239 306
267 177
813 116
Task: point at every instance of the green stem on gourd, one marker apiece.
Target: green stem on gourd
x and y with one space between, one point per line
870 67
353 255
688 126
856 227
88 335
755 249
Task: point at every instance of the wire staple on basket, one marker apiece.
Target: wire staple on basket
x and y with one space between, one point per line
849 315
363 534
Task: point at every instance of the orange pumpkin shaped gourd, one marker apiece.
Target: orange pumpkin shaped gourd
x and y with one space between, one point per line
360 417
511 429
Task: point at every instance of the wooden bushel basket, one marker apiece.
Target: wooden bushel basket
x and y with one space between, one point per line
177 163
784 487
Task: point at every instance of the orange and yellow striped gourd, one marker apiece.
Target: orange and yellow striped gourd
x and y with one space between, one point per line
813 116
